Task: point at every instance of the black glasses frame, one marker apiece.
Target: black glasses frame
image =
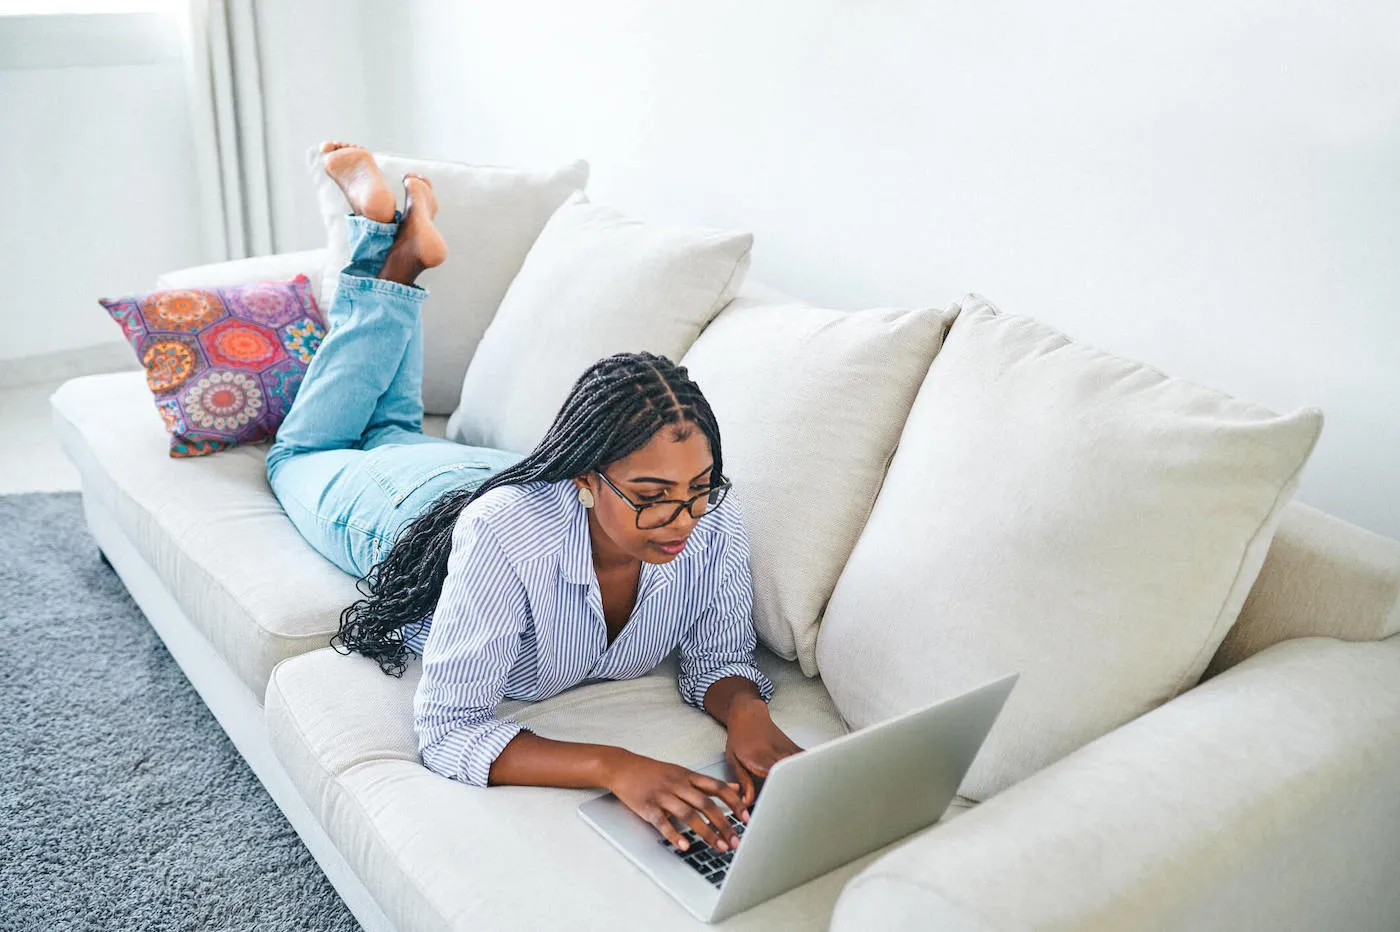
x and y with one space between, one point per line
688 504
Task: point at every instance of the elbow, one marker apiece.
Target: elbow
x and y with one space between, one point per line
690 692
437 757
465 749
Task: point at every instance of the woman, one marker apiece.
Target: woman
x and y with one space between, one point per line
589 559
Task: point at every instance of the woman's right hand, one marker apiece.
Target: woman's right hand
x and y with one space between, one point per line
658 791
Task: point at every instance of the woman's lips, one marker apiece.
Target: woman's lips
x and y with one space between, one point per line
672 547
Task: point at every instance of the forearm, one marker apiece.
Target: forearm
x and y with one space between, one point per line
530 760
732 695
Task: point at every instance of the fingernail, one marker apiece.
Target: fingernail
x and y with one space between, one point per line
684 844
721 845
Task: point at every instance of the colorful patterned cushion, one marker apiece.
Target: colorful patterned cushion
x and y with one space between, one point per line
223 363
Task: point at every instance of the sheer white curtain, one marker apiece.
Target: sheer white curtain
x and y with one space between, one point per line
225 85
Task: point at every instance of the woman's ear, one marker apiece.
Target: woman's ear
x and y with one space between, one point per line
586 496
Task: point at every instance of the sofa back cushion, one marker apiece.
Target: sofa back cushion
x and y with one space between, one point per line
810 404
489 216
596 282
1057 511
1323 576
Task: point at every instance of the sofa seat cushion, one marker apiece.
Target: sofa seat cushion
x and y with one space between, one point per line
209 527
439 854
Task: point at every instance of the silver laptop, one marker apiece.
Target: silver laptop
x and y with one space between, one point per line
818 809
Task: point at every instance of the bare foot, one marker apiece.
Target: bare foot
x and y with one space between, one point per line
353 168
422 194
418 245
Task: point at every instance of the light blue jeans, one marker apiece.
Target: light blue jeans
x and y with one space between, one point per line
351 464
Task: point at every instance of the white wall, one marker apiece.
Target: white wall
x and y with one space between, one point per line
95 134
1210 186
314 76
95 145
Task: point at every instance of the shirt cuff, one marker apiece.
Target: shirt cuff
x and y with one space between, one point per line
747 670
475 751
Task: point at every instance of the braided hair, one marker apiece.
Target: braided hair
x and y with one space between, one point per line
614 409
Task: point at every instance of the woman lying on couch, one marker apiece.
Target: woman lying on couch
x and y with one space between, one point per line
485 562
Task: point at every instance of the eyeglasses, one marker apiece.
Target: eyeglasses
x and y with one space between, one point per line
651 515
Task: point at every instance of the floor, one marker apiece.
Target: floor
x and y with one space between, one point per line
30 458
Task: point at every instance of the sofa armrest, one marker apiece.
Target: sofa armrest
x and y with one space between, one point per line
1322 577
1266 798
278 267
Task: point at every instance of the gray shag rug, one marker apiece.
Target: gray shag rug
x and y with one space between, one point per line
122 803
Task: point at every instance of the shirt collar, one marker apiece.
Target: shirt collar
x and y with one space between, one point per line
576 557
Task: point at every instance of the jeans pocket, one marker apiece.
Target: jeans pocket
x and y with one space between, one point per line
402 470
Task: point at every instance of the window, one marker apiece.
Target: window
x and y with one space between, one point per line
31 7
89 33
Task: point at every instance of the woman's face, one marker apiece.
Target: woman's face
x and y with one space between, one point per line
674 464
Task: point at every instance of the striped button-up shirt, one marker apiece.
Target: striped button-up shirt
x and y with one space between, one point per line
521 616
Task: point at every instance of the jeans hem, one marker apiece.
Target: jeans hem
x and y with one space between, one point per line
390 228
353 282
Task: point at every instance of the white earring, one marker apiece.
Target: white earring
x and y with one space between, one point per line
585 497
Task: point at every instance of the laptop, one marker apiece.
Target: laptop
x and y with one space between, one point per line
818 809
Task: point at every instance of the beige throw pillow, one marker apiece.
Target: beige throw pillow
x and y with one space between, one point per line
810 404
489 216
1054 510
596 282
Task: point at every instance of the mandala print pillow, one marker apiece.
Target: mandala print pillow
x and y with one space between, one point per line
223 363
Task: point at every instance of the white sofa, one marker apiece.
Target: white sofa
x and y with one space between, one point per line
1267 797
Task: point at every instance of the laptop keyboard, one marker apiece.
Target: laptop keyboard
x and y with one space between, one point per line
710 863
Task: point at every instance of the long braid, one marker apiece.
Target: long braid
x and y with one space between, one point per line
614 409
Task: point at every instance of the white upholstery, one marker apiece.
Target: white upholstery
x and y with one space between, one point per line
1323 576
1060 512
596 282
209 526
488 215
810 404
1263 799
279 267
438 854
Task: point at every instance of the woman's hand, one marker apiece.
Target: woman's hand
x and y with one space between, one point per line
658 791
755 744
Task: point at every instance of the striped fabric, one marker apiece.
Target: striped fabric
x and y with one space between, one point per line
521 617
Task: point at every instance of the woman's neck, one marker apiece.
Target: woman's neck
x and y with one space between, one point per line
607 556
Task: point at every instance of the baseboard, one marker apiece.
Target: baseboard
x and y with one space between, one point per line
238 711
67 364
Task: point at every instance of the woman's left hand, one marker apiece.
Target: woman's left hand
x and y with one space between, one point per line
755 744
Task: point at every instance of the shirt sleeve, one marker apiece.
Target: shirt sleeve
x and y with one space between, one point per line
721 642
472 645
